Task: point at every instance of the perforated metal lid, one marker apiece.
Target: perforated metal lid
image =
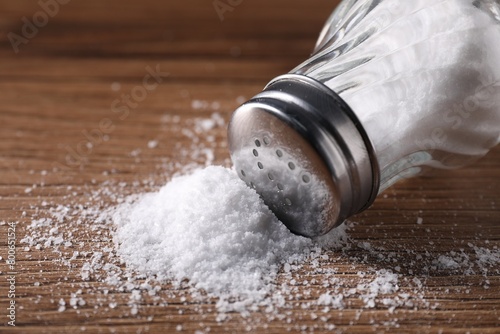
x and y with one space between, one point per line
298 147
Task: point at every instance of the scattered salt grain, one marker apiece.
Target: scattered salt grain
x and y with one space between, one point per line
446 262
62 305
202 104
115 86
198 104
241 99
152 143
205 124
135 152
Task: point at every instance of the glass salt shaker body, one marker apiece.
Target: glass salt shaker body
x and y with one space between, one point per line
392 88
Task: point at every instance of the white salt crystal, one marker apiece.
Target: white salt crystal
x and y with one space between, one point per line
62 305
152 143
385 282
205 124
115 86
73 301
446 262
199 104
241 99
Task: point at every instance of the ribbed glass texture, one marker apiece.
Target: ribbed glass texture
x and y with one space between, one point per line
422 76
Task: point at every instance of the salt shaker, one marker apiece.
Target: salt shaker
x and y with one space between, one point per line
393 88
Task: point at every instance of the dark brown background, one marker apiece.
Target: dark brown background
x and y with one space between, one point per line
59 83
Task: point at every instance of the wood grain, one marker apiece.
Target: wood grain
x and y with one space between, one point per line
64 81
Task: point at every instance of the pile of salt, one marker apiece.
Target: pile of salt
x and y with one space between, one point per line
210 228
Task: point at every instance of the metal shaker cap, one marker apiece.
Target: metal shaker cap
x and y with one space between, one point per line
303 150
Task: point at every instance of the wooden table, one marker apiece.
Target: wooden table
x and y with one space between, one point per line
67 79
